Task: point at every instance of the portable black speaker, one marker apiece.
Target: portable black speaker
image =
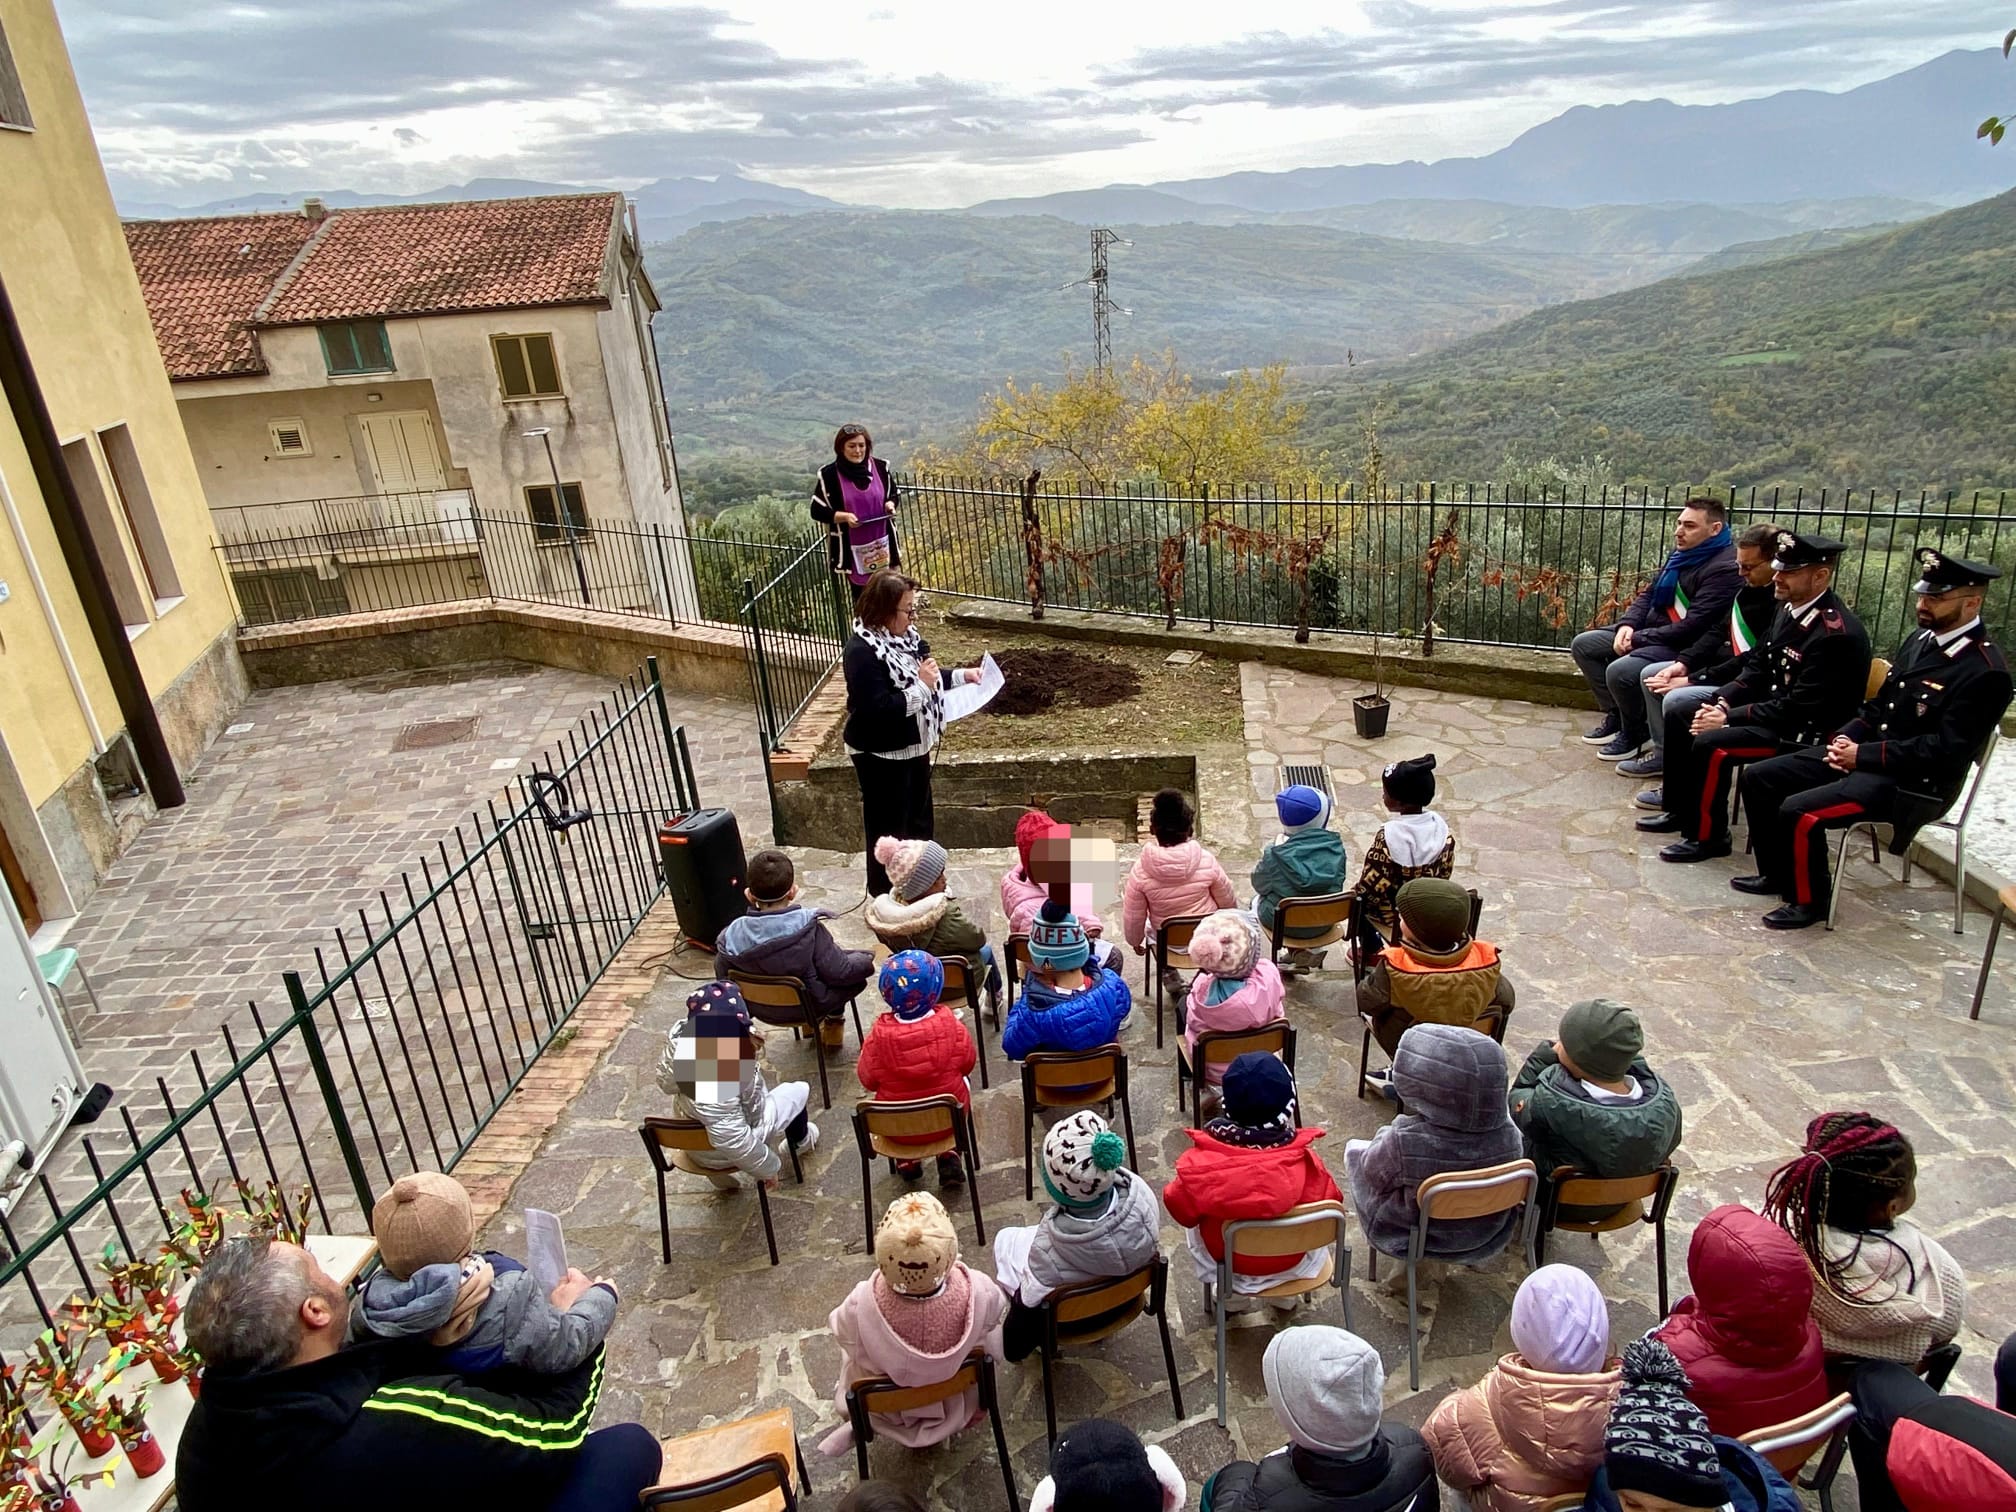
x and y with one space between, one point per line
704 872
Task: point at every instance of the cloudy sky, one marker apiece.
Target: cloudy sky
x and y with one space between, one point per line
913 102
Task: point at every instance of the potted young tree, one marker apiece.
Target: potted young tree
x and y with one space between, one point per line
1369 710
129 1425
58 1367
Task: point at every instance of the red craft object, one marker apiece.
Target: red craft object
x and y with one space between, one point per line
143 1451
61 1500
96 1439
165 1368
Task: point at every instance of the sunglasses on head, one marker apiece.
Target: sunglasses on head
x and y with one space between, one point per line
851 431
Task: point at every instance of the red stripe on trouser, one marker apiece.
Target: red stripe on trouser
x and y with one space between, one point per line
1802 841
1711 777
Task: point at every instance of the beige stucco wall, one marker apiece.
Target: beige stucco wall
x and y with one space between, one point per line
65 264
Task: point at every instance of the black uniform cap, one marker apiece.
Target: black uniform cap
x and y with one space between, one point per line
1940 573
1796 550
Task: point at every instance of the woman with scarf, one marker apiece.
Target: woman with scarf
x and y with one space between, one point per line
895 714
1693 589
854 502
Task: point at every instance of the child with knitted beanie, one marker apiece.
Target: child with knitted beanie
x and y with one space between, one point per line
1658 1455
1104 1224
1533 1428
1068 1002
917 913
486 1311
915 1320
918 1049
1100 1466
1236 986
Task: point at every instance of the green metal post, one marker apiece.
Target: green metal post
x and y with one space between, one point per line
311 1039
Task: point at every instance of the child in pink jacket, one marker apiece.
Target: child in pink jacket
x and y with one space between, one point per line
1236 986
915 1320
1022 896
1533 1428
1174 878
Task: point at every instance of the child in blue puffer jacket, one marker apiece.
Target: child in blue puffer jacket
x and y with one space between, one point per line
1068 1003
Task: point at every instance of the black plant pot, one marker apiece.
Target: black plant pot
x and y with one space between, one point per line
1368 713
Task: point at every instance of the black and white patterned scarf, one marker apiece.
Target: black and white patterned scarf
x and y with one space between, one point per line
900 656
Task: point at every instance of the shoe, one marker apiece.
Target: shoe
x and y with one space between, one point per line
1651 764
833 1034
1653 799
1658 824
1602 734
1238 1303
951 1171
1621 749
910 1170
1760 886
1795 916
810 1142
1307 960
1694 850
1381 1083
1286 1304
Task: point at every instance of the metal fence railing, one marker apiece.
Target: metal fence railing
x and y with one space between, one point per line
793 626
1480 564
332 557
401 1043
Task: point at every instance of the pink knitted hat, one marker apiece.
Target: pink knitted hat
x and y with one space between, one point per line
1226 944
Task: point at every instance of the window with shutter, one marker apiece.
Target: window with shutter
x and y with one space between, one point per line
527 367
289 437
356 346
547 529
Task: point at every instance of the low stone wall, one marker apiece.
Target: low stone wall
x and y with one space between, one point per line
979 797
1547 677
696 658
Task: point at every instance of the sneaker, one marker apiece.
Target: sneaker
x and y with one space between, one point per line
910 1170
1601 734
1307 960
1380 1083
951 1172
811 1140
1651 764
1620 749
1238 1302
1286 1304
1653 799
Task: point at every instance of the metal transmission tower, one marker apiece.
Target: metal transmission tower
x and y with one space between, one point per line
1102 302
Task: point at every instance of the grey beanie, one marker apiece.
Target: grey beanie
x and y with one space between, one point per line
1327 1387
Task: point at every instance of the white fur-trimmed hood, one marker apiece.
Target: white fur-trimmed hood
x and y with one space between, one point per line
887 914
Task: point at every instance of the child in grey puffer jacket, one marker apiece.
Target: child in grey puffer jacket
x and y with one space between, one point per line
486 1310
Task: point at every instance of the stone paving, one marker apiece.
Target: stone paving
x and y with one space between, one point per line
1757 1032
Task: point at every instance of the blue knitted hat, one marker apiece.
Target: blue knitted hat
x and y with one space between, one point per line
1057 939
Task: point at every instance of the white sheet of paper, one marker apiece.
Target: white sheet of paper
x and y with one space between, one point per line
969 698
545 1248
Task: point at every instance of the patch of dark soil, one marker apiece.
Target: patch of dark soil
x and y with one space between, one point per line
1038 679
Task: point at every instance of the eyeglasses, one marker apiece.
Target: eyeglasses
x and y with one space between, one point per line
851 431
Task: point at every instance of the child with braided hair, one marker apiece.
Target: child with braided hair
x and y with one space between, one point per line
1883 1288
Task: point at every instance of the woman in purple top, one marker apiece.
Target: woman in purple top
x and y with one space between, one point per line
855 499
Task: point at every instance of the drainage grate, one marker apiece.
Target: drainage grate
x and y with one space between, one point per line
428 734
1317 777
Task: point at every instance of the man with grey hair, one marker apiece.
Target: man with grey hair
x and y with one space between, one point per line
288 1414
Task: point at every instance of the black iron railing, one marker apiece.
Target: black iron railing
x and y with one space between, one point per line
1479 564
793 626
411 1030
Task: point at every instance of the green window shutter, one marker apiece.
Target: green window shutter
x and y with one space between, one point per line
511 368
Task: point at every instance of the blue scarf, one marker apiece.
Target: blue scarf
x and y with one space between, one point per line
1667 584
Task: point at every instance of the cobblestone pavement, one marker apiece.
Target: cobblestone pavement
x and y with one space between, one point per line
1757 1032
299 817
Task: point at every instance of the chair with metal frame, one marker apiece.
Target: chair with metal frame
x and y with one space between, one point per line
1221 1047
1330 914
1304 1228
871 1394
1934 1368
1016 963
1791 1444
1879 670
1958 826
1171 952
1095 1310
1459 1194
1064 1080
1568 1187
670 1143
2005 902
957 994
879 1126
784 1003
56 966
744 1463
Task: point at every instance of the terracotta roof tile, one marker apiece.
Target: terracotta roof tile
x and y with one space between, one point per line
204 278
211 283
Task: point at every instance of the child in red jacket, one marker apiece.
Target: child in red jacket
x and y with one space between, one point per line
918 1049
1249 1162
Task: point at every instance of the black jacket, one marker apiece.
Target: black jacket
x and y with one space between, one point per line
876 717
1714 655
1929 720
826 499
1803 683
1397 1475
381 1426
1708 587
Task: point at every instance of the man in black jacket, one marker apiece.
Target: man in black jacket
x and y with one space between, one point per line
1712 658
1692 589
1788 693
289 1418
1903 759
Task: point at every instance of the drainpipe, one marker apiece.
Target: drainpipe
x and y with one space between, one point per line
87 573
